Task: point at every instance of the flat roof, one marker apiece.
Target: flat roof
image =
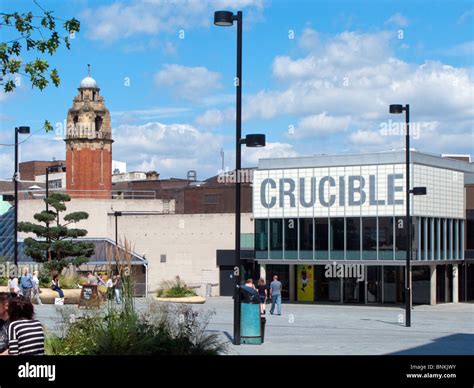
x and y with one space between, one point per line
376 158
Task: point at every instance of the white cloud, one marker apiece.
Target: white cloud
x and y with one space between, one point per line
119 20
170 149
250 156
189 83
461 49
211 118
398 20
465 16
155 113
321 124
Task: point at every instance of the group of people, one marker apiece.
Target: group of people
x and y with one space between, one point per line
20 333
28 286
272 292
113 284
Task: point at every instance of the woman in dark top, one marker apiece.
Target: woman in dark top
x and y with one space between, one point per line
25 334
262 292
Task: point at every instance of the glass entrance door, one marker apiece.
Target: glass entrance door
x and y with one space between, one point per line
374 284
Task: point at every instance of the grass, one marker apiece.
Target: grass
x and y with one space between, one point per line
174 289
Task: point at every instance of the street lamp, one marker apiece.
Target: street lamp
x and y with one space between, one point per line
226 19
23 131
397 109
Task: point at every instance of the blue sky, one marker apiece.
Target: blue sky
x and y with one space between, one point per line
318 77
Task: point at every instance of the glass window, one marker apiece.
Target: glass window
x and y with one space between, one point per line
420 277
470 234
261 235
449 239
276 234
443 239
385 238
369 241
321 238
422 237
393 284
291 238
400 238
337 238
306 238
429 240
353 238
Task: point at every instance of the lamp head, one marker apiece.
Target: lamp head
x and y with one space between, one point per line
223 18
396 108
23 130
255 140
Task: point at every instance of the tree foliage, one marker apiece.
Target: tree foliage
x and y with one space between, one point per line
55 241
37 33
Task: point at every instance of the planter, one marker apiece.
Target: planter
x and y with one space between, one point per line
71 296
186 299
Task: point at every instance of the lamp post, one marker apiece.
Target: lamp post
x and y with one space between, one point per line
226 19
23 131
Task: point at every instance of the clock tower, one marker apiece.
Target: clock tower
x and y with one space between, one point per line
88 144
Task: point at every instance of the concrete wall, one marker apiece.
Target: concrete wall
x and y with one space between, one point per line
189 241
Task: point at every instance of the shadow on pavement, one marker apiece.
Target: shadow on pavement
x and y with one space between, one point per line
454 344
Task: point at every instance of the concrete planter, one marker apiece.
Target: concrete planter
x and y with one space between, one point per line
187 300
71 296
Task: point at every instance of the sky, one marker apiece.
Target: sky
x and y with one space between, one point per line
318 78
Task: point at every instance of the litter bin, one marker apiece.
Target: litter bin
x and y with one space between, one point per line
263 321
250 322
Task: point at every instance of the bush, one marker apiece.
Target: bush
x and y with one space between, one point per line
161 330
174 289
3 281
71 281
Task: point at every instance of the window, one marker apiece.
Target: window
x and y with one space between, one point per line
400 238
261 235
291 238
210 199
55 184
386 238
353 238
321 238
276 234
337 238
470 234
369 240
306 238
162 258
98 123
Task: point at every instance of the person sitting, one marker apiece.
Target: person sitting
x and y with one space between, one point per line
55 286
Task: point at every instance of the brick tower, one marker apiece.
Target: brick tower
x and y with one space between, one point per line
88 144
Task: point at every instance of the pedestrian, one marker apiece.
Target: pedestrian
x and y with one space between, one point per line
25 334
13 285
92 279
275 295
5 298
118 289
26 283
263 293
36 289
55 286
110 288
249 283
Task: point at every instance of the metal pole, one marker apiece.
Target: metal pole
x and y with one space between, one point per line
47 209
116 228
408 216
15 177
238 131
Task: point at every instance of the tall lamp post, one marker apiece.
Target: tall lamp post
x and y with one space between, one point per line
23 131
397 109
226 19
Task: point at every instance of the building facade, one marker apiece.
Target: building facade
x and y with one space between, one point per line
334 228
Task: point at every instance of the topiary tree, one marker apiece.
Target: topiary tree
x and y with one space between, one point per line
55 244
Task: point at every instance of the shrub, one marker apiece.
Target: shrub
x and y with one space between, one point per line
71 281
3 281
161 330
174 289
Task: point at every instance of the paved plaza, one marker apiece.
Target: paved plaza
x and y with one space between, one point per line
303 329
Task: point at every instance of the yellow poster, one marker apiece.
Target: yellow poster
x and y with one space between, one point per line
305 283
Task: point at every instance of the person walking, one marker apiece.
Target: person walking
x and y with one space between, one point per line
26 283
25 334
13 285
110 288
36 289
263 293
55 286
275 295
118 289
